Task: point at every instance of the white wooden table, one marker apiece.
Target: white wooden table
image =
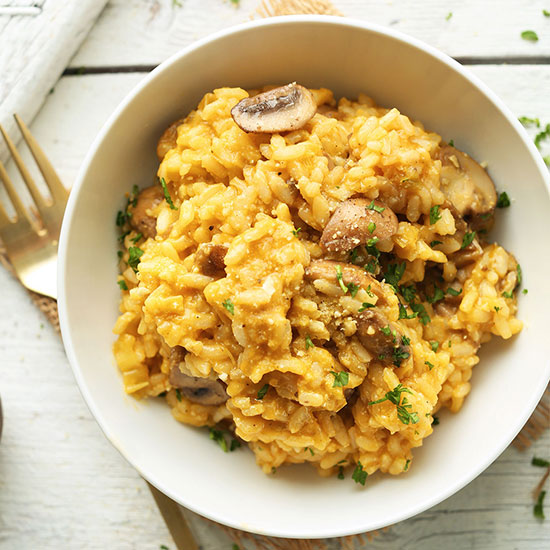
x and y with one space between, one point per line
62 485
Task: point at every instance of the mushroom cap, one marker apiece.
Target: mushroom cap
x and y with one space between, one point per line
279 110
465 183
369 331
350 225
210 259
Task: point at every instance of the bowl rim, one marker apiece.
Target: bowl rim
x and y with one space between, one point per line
291 532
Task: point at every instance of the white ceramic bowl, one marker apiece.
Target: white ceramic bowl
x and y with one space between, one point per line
348 57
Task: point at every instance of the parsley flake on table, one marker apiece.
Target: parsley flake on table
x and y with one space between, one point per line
399 355
309 343
228 304
530 36
542 135
340 379
235 546
434 214
421 312
546 13
135 253
540 462
453 292
359 475
167 196
503 200
449 15
262 391
467 239
373 206
527 121
163 547
538 510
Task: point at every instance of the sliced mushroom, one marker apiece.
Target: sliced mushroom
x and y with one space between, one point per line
210 259
467 255
328 270
279 110
465 183
141 220
204 391
356 221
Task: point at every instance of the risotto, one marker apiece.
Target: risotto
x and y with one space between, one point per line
312 277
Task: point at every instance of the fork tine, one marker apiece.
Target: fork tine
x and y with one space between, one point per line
20 210
57 189
37 197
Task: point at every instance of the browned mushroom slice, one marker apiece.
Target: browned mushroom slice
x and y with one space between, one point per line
329 270
140 220
210 259
465 183
279 110
204 391
467 255
356 221
381 337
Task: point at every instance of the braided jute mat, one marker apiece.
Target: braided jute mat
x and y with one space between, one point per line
533 429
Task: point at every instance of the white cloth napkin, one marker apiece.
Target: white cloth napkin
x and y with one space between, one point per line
37 40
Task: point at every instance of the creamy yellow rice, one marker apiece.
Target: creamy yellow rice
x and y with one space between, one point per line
267 197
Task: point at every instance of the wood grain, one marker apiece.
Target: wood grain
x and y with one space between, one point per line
62 485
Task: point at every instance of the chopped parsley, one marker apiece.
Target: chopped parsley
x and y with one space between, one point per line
530 36
228 304
520 275
178 394
340 472
310 451
163 547
296 231
394 274
467 239
309 343
123 235
262 391
546 13
394 396
434 346
135 254
403 312
540 462
122 284
525 291
421 312
353 255
509 294
340 279
435 243
449 15
405 340
430 365
452 142
399 355
340 379
453 292
236 546
359 475
407 465
167 196
217 436
386 330
122 217
542 135
371 227
538 511
437 295
436 421
526 121
408 293
373 206
497 309
503 200
353 289
434 214
235 444
364 306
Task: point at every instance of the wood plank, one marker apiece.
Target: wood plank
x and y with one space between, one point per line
62 484
134 32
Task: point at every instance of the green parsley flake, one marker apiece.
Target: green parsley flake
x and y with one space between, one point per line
540 462
235 444
340 379
407 465
235 546
167 196
122 284
509 294
538 511
546 13
394 396
403 313
364 306
371 266
296 231
309 343
394 274
526 121
435 421
546 160
135 253
359 475
530 36
421 312
408 293
399 355
434 214
340 278
262 391
437 295
405 340
503 200
434 346
217 436
340 472
435 243
310 451
353 255
371 227
525 291
467 240
373 206
520 275
449 15
228 304
430 365
178 394
453 292
353 289
452 142
542 136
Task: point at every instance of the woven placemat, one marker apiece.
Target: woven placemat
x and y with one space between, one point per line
533 429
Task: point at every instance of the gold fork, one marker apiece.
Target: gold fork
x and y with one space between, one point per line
31 240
